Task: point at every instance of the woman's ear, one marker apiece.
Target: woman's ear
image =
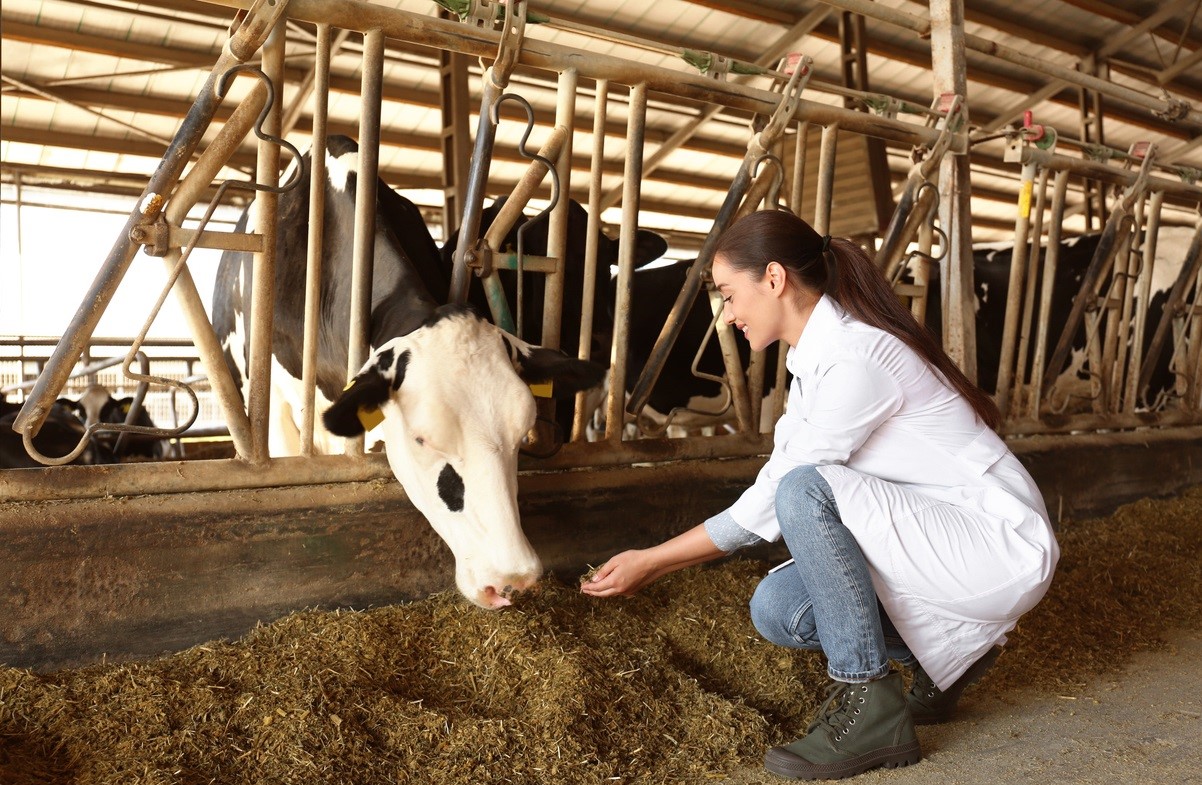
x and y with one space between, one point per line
777 276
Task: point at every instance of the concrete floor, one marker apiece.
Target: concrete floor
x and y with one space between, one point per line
1142 726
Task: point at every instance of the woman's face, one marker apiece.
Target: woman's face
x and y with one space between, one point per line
754 307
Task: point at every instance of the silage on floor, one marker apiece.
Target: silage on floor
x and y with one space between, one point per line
673 685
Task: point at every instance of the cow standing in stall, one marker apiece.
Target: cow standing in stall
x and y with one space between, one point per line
452 388
991 277
649 246
700 402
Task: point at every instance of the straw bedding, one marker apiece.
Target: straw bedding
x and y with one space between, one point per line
671 686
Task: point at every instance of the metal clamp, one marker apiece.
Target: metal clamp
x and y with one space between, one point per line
760 143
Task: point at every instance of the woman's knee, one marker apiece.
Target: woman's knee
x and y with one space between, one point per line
783 614
801 494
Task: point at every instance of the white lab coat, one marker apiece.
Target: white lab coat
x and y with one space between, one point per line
954 529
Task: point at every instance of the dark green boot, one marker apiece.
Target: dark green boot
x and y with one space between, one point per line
859 727
932 706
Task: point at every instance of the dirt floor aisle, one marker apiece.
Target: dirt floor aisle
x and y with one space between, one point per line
1142 726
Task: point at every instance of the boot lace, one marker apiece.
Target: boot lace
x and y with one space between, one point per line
922 686
840 709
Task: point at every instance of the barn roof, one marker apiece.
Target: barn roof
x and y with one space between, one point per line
93 89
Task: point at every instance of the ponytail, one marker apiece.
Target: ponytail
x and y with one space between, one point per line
841 269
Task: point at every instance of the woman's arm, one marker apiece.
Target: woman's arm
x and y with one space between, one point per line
630 571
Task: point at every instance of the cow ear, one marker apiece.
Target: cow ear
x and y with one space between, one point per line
367 392
650 246
567 375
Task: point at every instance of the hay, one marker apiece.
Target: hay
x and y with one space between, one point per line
671 686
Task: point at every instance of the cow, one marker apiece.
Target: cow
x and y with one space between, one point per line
698 400
452 388
649 246
97 405
991 277
60 433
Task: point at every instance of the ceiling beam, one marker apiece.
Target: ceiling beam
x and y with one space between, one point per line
1099 8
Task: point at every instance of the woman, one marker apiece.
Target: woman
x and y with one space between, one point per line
916 535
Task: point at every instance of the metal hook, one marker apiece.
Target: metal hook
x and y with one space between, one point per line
222 86
494 116
778 178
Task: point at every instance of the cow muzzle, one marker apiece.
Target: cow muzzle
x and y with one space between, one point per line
500 593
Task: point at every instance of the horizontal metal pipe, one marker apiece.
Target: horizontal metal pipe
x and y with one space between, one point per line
922 25
130 479
1099 171
456 37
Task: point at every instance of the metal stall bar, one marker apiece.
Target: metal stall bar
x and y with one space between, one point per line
549 56
240 47
190 190
1118 226
496 78
1143 285
262 304
1028 308
1120 302
557 225
955 186
1014 294
362 265
1175 306
1055 225
757 145
826 179
317 212
636 130
924 24
584 349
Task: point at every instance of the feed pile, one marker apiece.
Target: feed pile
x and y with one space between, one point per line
673 685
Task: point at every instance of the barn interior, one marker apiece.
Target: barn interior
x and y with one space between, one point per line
916 128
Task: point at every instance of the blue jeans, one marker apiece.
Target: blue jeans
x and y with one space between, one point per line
825 599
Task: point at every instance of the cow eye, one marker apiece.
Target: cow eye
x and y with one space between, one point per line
420 440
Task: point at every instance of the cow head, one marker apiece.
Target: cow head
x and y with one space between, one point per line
457 406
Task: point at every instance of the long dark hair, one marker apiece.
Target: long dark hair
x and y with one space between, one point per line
841 269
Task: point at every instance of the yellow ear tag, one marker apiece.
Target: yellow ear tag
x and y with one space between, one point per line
541 389
368 418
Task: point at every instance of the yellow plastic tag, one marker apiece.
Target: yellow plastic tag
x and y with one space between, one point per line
1024 200
368 418
541 389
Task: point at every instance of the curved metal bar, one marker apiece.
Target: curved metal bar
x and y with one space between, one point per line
495 116
144 377
778 178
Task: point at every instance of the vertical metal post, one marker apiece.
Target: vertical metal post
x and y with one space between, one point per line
1055 224
1144 291
557 225
238 49
636 128
456 135
362 265
1014 292
949 70
317 212
826 179
584 349
189 191
263 273
1028 311
797 187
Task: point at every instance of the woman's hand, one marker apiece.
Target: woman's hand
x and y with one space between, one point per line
625 573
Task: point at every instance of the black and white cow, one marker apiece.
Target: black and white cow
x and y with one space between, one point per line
649 246
452 388
97 405
702 401
991 276
60 433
